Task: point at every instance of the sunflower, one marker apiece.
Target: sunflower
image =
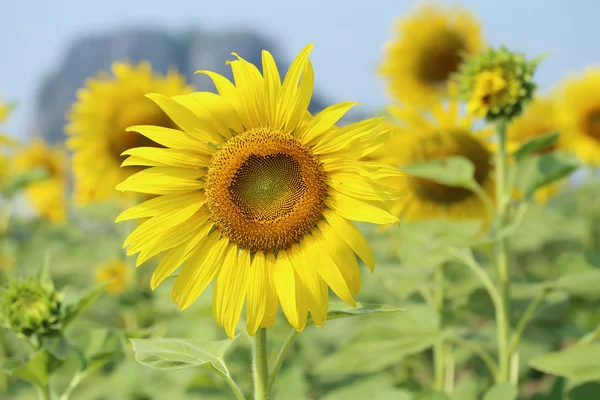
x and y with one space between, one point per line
579 116
441 133
105 107
47 196
539 118
257 193
427 50
117 272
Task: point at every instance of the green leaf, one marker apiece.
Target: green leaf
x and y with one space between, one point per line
377 388
585 284
502 391
168 354
57 345
535 144
36 370
342 310
371 356
537 171
74 307
580 363
451 171
431 395
103 345
587 391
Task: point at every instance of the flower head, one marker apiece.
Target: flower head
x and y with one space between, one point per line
105 107
257 193
578 111
30 307
428 48
496 83
115 271
416 138
47 196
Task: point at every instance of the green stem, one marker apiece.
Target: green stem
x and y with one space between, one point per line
234 387
260 366
480 351
502 266
438 348
280 358
450 370
478 270
43 392
525 318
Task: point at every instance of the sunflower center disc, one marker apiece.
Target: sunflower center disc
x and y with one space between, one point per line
441 58
450 144
265 190
592 125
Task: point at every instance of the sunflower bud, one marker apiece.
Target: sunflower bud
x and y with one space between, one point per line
496 84
30 307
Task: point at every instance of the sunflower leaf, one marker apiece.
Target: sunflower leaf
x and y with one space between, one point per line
170 354
540 170
341 310
74 307
580 363
535 144
502 391
36 370
451 171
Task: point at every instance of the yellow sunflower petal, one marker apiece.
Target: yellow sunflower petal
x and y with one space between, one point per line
326 266
199 271
172 138
357 210
185 119
271 293
170 157
256 300
352 236
293 304
316 288
323 121
163 180
338 139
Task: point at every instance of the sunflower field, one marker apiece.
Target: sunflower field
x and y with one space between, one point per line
185 244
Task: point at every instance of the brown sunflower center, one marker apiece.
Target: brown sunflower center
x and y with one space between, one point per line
141 112
441 58
592 125
450 144
265 190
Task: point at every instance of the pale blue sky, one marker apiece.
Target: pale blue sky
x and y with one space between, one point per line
348 36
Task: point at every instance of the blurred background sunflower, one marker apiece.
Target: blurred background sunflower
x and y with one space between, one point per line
97 121
427 49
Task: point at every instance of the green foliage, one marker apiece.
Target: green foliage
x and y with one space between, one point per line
540 170
580 363
502 391
180 353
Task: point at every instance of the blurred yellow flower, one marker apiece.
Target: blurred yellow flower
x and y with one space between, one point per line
117 272
539 118
427 50
257 193
46 196
420 137
105 107
579 115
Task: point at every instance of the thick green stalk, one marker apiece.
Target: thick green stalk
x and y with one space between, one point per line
501 253
260 366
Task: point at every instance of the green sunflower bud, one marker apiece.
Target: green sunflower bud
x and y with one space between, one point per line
30 307
497 83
